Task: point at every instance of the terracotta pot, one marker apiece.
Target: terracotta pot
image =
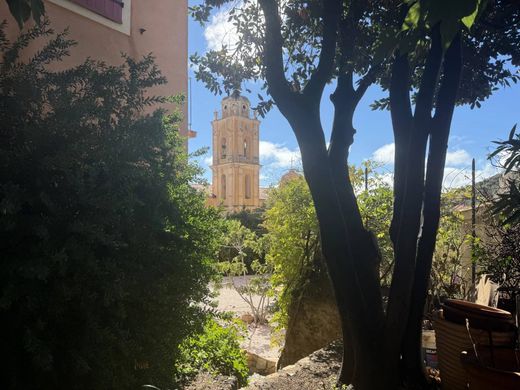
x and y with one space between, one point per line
495 368
452 339
480 317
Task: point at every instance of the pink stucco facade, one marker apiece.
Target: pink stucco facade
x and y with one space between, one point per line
148 26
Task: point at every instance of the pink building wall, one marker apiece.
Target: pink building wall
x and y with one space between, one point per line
159 27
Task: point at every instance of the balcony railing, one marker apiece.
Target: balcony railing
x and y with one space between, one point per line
239 159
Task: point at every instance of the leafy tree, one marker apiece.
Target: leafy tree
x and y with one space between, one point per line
293 241
251 219
415 51
107 249
242 244
293 244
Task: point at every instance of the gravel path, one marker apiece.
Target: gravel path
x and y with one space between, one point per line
258 339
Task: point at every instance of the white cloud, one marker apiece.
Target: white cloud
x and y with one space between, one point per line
458 157
457 177
221 32
278 156
208 160
385 154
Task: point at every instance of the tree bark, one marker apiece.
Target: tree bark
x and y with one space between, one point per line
411 144
376 341
439 134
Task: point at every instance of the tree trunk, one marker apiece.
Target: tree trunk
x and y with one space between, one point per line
359 308
439 135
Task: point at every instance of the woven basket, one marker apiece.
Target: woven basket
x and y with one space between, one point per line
452 339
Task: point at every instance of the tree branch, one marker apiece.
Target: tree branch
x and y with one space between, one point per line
402 121
424 101
279 87
331 14
366 81
439 134
410 151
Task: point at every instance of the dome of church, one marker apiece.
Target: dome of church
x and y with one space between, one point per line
235 104
290 175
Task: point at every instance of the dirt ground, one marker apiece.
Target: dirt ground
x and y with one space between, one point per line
258 338
315 372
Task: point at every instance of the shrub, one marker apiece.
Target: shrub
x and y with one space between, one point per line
216 350
106 248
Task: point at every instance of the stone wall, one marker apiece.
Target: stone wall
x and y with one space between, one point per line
317 371
259 365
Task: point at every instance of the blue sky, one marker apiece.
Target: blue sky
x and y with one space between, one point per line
472 131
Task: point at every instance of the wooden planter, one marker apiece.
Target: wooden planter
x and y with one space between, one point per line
452 339
495 368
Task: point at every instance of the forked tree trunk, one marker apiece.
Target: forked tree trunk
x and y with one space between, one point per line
381 348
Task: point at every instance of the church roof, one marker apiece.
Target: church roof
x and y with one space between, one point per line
290 175
236 96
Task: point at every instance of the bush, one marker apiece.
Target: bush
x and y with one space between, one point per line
216 350
106 248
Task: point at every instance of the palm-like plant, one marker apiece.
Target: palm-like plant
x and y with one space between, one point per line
508 202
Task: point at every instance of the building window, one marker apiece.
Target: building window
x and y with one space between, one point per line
110 9
223 148
248 186
223 185
246 148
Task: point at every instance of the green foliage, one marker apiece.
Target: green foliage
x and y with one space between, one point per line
501 255
508 202
376 205
293 242
489 30
490 33
244 253
226 69
22 10
449 274
251 219
107 249
239 248
451 16
500 251
215 350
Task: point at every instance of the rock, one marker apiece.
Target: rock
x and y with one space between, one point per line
314 320
259 365
248 318
316 371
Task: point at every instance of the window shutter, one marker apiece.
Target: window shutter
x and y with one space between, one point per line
110 9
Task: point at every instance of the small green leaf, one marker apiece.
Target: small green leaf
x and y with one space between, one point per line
469 20
412 17
512 132
38 9
20 10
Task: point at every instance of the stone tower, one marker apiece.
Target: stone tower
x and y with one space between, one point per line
235 155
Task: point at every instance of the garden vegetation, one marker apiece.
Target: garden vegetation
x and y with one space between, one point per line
106 248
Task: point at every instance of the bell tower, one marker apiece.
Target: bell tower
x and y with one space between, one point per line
235 155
